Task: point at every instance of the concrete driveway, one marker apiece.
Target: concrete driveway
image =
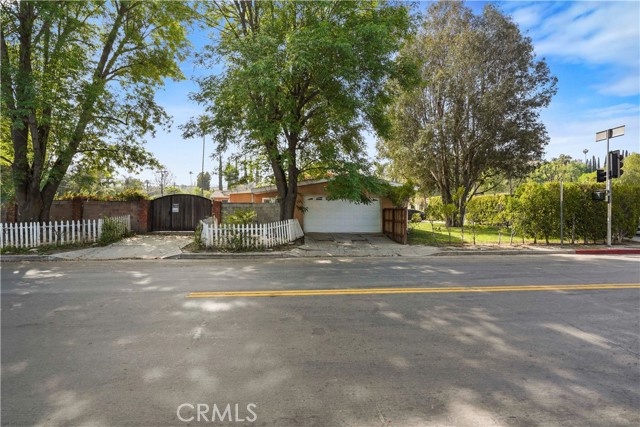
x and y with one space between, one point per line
145 246
358 245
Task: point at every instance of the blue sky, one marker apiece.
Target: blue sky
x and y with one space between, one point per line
592 47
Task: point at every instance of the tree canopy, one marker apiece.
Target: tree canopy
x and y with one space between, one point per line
300 81
631 169
475 113
204 181
561 168
78 85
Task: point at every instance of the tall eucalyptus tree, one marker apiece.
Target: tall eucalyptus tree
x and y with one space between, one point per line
475 113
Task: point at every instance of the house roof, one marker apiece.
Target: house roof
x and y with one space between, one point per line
220 194
272 188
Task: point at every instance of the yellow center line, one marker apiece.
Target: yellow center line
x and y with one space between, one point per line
375 291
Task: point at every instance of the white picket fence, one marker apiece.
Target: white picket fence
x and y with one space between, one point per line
34 234
251 236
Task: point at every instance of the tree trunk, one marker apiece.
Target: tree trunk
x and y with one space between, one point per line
220 172
446 199
461 213
30 206
286 183
291 198
288 205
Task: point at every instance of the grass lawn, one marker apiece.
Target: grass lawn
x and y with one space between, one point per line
421 233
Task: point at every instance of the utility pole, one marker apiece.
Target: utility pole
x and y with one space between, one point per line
202 176
220 172
163 173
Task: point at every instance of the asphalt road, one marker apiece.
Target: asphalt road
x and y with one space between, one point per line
119 343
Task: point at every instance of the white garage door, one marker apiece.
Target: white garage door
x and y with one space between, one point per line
339 216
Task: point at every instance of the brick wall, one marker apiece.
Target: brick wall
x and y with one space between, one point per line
137 209
78 209
61 210
216 210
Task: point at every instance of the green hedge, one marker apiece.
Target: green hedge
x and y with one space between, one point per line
534 211
488 210
123 196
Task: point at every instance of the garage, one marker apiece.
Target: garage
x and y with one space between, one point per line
340 216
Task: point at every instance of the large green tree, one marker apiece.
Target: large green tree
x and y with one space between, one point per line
631 170
300 82
78 84
561 168
475 114
203 181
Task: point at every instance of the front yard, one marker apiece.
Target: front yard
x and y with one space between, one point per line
422 233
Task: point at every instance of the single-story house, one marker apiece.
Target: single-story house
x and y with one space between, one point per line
219 196
319 214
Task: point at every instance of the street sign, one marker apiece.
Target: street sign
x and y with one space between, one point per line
619 131
610 133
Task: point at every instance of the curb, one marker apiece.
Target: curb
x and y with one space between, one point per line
222 255
19 258
501 253
608 251
257 255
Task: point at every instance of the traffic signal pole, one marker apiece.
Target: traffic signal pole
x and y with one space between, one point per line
601 136
609 193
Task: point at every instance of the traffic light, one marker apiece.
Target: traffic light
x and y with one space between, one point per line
601 175
599 196
616 164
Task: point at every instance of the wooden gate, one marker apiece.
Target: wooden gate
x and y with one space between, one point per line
394 224
179 212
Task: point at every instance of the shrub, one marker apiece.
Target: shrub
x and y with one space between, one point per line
197 237
537 211
127 195
626 210
400 196
241 217
130 195
112 231
488 210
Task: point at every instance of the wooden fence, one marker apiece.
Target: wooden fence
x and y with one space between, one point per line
250 236
394 224
34 234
